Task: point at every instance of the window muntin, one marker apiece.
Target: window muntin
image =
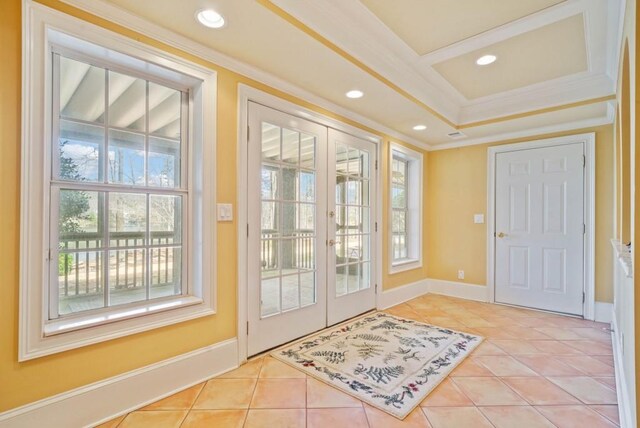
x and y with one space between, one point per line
118 192
399 208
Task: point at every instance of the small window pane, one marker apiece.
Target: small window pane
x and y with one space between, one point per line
398 197
307 151
166 271
127 102
79 220
270 222
307 218
270 297
165 219
307 289
81 91
307 186
127 276
269 258
342 278
126 158
269 182
290 146
290 292
163 163
127 219
80 149
80 281
270 142
398 223
354 161
165 106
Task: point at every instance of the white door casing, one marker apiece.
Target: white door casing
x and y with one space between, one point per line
540 228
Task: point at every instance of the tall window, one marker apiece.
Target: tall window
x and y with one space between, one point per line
405 195
399 207
118 188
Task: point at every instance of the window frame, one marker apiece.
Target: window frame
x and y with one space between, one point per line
413 203
47 32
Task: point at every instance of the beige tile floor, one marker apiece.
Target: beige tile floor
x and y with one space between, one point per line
533 370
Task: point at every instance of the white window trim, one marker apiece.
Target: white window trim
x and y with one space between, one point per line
43 27
414 200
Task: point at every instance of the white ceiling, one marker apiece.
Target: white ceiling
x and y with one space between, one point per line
327 48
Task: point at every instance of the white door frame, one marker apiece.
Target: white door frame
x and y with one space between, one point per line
589 142
246 94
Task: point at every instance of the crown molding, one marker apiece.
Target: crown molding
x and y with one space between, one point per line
606 119
124 18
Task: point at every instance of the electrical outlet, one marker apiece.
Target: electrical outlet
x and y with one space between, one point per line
460 274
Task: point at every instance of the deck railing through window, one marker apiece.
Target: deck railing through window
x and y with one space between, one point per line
81 269
297 254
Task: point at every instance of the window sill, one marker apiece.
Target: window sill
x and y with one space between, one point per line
76 332
405 265
79 322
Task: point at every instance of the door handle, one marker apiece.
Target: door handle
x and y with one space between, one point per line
501 235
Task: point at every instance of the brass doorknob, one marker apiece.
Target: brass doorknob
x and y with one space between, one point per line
501 235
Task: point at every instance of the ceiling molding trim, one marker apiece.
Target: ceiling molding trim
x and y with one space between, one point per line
532 132
346 55
103 10
539 111
373 43
506 31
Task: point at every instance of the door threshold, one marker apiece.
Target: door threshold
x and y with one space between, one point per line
546 311
283 345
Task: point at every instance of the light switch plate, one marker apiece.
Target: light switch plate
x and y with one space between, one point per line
225 212
478 218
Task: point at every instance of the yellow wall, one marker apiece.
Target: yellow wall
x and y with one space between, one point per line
457 189
21 383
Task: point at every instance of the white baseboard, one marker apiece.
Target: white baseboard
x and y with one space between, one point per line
622 391
458 289
401 294
604 312
101 401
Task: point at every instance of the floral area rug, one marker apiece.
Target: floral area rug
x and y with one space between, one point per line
389 362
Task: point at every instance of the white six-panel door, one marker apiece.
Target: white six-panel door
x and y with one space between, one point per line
311 213
539 240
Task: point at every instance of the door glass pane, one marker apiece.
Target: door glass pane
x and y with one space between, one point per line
353 229
288 220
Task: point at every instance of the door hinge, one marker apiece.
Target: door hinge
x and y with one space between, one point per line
584 161
247 328
376 226
247 230
48 255
376 165
376 288
584 229
248 132
583 297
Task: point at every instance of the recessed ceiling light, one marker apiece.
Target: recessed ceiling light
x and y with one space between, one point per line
420 127
354 94
210 18
486 59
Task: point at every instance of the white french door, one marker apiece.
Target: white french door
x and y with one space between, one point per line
311 223
540 228
351 227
